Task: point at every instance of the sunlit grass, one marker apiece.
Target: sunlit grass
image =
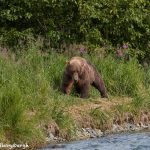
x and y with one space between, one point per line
121 78
30 92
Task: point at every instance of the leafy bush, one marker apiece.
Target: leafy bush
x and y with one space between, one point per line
96 22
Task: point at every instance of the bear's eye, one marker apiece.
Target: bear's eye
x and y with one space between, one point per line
72 71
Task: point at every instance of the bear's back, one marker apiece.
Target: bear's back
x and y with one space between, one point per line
77 60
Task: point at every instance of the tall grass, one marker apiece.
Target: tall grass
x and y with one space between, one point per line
30 96
121 78
29 85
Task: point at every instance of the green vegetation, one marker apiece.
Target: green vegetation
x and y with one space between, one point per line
30 97
30 94
92 22
101 118
124 78
36 39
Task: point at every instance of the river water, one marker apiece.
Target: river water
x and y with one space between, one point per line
124 141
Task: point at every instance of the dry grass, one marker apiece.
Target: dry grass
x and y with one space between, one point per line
80 112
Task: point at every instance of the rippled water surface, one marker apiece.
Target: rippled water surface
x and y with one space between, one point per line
128 141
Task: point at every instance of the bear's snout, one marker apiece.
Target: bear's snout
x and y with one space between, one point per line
75 77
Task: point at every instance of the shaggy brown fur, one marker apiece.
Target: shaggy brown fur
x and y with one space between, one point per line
80 72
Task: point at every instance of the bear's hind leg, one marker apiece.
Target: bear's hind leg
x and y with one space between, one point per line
99 84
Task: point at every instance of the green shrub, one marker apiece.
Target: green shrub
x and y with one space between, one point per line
97 22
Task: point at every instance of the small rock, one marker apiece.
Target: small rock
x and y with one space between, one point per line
144 126
130 126
51 136
99 133
83 129
91 132
114 128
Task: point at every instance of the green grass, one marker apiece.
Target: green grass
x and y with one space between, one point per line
121 78
101 118
28 86
30 95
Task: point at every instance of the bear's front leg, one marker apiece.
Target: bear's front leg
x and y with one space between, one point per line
69 87
84 90
67 84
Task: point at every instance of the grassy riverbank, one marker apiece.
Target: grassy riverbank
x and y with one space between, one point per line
31 103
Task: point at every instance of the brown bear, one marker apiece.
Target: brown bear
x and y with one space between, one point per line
82 74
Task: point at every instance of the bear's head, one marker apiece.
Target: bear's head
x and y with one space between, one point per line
75 68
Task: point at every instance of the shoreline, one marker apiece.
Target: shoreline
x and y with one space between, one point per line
88 133
89 124
130 124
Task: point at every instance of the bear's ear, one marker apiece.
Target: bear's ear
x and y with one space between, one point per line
67 62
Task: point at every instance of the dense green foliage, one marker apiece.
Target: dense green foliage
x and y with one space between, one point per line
96 22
